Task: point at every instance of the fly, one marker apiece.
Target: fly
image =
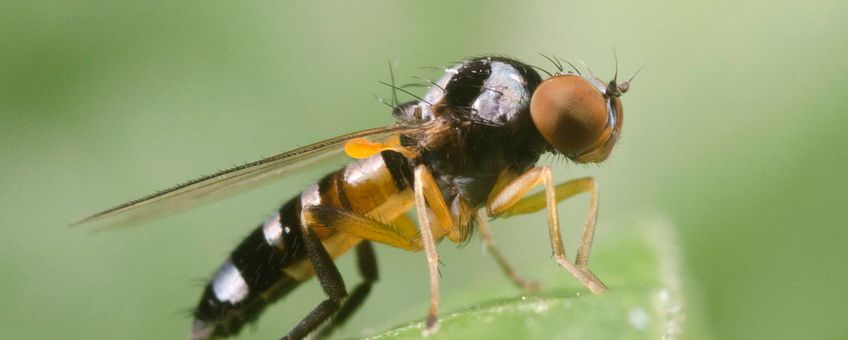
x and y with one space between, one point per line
463 153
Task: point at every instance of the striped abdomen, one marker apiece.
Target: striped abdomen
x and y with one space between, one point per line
272 261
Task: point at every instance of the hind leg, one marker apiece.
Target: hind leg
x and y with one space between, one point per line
368 268
330 280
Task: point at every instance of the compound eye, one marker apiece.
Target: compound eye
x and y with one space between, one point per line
571 114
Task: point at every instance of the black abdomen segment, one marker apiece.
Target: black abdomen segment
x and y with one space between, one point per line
253 276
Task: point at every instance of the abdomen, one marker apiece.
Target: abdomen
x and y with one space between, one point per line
272 260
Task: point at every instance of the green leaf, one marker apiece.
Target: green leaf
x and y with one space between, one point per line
646 300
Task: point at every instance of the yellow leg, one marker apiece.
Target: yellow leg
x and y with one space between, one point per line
423 183
489 241
509 202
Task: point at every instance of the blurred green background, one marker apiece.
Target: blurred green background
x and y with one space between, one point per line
735 132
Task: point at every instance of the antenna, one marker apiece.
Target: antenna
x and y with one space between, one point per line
613 90
625 85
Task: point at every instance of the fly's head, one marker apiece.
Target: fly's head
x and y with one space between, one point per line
579 116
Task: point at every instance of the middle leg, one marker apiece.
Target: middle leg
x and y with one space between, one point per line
426 190
489 241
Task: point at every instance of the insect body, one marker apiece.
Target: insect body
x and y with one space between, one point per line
469 145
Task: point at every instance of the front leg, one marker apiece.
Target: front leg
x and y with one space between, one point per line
489 241
508 201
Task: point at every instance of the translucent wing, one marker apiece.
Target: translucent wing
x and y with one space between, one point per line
227 182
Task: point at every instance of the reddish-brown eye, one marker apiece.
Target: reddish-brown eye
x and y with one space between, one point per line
571 114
